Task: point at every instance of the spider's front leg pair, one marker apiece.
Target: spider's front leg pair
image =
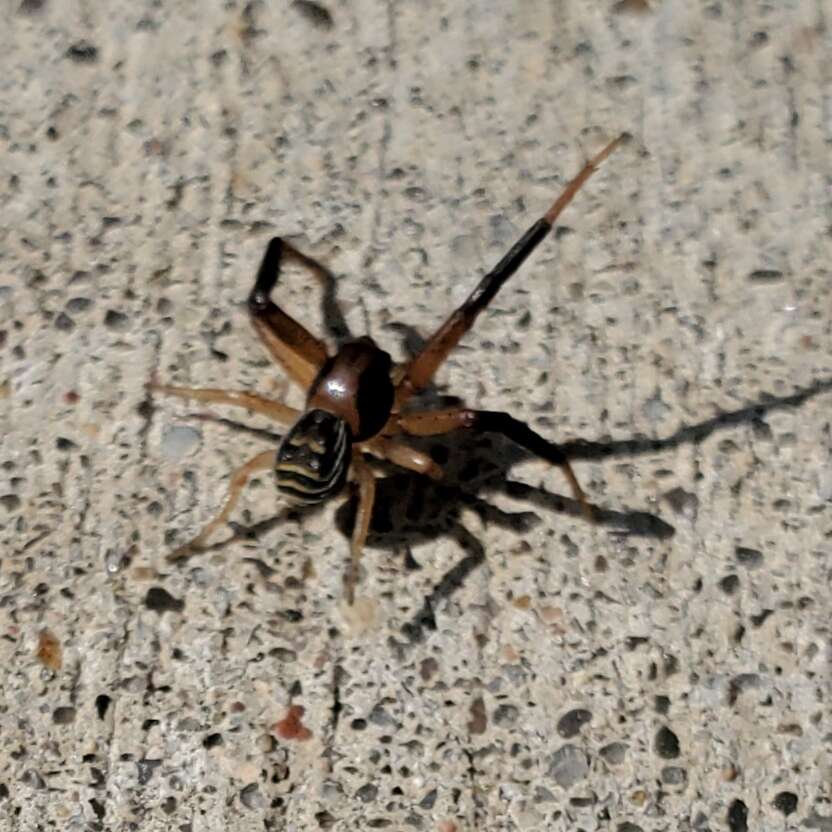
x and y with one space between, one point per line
355 397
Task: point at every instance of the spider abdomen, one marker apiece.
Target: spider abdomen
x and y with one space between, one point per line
313 459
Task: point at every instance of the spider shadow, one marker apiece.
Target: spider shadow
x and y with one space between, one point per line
438 506
411 510
752 414
334 321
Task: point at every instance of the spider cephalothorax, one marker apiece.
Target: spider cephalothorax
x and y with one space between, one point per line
356 400
355 385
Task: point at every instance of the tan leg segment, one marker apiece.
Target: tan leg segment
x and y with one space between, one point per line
262 462
433 423
366 499
404 456
299 352
237 398
577 183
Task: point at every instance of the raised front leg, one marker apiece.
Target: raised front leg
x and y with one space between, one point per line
415 375
299 352
433 423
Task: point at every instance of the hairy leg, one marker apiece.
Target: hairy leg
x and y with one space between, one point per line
366 498
432 423
299 352
278 411
262 462
406 457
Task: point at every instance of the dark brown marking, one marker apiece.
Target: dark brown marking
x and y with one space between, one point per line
355 385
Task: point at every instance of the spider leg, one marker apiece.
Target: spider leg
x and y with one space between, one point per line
402 455
366 499
262 462
278 411
432 423
299 352
416 374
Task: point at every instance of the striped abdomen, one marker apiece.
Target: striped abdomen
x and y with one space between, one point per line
313 459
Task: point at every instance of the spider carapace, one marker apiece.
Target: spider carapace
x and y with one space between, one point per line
356 399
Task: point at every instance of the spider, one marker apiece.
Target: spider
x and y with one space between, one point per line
356 399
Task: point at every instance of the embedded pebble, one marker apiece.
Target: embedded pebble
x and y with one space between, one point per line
614 753
570 724
667 743
160 600
178 441
786 802
568 766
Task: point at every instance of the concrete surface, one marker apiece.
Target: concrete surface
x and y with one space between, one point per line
508 665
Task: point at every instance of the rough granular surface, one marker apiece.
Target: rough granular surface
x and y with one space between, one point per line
506 665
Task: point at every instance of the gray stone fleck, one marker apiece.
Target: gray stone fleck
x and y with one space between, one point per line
178 441
568 766
570 724
145 769
251 797
614 753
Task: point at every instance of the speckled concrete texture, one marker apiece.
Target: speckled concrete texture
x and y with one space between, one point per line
507 666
